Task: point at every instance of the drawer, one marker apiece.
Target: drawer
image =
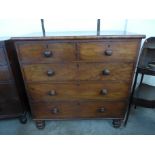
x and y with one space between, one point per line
2 57
5 74
50 72
108 51
37 52
105 71
77 109
104 91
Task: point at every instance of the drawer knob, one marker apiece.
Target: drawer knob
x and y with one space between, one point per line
101 110
55 110
106 72
50 72
108 52
52 93
104 92
47 53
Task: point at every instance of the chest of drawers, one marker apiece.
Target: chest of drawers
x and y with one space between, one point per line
11 103
80 77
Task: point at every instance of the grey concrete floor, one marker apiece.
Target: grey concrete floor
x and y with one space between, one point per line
141 122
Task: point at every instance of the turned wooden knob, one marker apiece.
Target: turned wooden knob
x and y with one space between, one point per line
47 53
108 52
104 92
50 72
106 71
55 111
52 93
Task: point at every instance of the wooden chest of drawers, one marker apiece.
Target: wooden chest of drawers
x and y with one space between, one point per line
78 77
11 103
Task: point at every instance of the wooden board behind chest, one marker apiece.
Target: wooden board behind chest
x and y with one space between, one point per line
12 103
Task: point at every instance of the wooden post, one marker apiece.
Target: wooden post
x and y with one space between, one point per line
125 26
98 27
43 27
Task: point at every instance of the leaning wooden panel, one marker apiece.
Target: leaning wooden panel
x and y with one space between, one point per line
12 105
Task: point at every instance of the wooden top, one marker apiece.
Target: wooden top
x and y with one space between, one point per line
80 37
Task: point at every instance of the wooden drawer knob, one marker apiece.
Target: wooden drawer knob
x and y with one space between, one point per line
101 110
106 72
47 53
108 52
50 72
104 92
55 111
52 93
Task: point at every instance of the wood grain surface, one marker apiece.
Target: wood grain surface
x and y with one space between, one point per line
115 91
78 109
33 52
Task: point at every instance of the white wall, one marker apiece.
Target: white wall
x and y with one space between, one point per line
27 27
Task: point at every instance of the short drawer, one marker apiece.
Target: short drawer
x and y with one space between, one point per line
112 50
50 72
77 109
45 52
2 57
105 71
105 91
5 74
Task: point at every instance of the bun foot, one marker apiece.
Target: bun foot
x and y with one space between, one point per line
40 124
117 123
23 119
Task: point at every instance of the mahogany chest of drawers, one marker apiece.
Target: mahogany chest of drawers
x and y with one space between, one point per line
80 77
11 101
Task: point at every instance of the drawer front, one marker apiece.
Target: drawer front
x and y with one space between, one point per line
68 109
2 57
50 72
5 74
108 51
104 91
36 52
105 71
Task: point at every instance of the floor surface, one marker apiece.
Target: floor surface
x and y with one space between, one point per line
141 122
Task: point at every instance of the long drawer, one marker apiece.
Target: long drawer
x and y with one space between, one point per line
84 71
77 109
60 91
45 52
108 51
